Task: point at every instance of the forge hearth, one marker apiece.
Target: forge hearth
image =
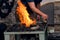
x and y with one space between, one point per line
21 28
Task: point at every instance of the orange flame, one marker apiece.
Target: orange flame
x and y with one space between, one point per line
24 15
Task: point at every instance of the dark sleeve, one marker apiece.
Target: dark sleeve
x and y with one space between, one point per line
38 1
29 0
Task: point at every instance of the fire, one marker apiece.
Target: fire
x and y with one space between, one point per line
24 15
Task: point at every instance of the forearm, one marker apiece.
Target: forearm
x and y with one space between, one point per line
36 10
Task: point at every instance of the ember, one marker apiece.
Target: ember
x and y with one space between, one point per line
24 15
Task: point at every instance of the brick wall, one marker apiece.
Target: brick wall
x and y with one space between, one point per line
57 16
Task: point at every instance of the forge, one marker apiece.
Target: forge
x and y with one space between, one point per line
26 22
14 31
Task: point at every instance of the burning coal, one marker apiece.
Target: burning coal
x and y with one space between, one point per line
24 15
